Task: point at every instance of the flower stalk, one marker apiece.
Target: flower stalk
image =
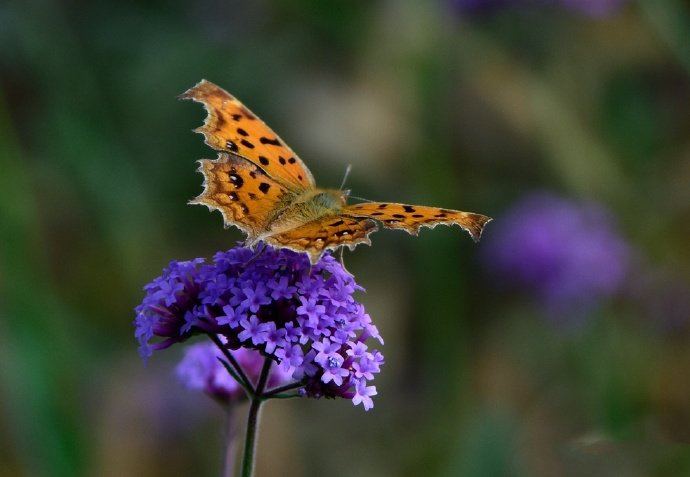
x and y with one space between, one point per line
257 399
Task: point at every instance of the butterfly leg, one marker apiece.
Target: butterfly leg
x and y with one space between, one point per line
342 259
262 248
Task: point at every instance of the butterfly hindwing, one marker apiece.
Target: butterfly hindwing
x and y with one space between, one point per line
246 196
230 126
326 233
412 217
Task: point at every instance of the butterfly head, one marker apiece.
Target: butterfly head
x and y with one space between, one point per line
331 199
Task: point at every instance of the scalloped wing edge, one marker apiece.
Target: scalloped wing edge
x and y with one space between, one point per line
202 199
210 120
475 229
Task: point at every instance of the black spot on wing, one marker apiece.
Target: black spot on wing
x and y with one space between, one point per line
264 187
272 142
236 180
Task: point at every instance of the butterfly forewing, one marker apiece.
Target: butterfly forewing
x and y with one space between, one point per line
245 195
231 126
412 217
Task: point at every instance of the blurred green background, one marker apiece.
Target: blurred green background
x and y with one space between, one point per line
460 104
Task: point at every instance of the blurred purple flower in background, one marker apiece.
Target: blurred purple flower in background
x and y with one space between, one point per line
200 369
302 317
592 8
568 255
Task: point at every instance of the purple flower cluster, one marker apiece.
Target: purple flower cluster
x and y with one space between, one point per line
568 254
201 369
303 317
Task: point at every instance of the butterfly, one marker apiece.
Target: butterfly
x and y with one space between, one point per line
262 187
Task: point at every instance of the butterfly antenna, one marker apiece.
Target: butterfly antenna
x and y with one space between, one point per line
361 198
342 186
347 173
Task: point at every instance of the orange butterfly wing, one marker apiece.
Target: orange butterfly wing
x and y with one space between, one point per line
242 192
325 233
231 126
413 217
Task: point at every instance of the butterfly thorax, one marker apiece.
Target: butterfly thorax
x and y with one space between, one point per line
324 199
311 204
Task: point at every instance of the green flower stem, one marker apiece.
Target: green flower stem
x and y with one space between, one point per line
253 421
244 380
288 387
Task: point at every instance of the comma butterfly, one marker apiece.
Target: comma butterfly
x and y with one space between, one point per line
263 188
